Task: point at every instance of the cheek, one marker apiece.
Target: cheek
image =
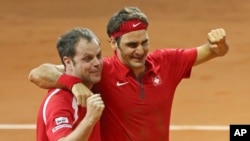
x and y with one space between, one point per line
129 51
81 68
85 67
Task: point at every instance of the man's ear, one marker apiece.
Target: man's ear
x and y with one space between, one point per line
113 43
68 63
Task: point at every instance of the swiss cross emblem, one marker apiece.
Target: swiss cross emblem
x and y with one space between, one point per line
156 80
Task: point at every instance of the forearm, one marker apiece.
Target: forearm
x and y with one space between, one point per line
46 75
82 131
204 53
95 107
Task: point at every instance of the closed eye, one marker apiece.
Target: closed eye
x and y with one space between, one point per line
135 44
132 44
145 43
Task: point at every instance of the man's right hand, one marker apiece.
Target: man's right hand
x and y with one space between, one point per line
81 93
95 107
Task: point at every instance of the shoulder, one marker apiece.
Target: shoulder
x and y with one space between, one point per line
59 97
172 52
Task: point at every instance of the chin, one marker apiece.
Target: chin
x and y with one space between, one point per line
97 79
138 64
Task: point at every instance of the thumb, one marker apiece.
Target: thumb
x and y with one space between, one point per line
214 48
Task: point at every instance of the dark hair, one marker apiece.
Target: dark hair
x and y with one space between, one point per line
125 14
67 42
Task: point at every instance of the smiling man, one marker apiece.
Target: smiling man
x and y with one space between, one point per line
59 117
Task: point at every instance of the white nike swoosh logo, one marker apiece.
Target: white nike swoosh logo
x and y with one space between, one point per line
135 25
120 83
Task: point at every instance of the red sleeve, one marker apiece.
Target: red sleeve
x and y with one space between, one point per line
177 61
59 115
67 81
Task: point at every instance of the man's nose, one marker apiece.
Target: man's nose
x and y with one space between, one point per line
97 61
140 50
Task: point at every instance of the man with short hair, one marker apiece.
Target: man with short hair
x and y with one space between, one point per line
59 117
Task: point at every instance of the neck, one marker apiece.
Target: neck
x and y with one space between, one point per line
88 85
139 73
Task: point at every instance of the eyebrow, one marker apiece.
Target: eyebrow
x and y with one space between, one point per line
89 54
133 42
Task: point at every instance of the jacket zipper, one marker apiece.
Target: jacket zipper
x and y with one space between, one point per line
142 94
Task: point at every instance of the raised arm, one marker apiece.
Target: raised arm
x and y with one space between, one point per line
216 46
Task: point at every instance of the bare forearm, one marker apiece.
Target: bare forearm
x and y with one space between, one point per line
204 54
95 107
46 75
82 131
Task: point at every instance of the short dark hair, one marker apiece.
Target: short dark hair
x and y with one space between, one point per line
67 42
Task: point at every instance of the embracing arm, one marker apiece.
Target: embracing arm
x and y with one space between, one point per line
52 76
217 46
46 75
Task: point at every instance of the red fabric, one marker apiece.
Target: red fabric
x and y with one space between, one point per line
61 104
68 81
140 110
129 26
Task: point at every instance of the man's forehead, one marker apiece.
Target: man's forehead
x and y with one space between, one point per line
135 36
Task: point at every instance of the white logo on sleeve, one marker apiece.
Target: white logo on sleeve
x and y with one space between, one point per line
135 25
61 120
120 83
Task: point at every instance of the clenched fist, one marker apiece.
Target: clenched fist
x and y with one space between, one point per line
95 106
217 40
